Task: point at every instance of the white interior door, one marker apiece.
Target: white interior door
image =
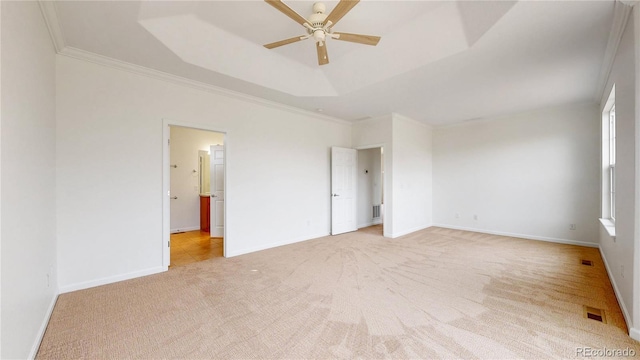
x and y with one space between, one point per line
216 182
343 190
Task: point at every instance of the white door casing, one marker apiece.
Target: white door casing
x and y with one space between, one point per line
343 190
216 182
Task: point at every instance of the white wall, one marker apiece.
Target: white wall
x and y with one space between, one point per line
369 185
529 175
110 177
28 178
412 175
407 170
185 184
619 252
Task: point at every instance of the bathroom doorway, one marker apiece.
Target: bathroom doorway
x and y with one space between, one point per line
195 183
370 197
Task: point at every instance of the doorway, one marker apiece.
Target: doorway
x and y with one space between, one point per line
193 194
370 189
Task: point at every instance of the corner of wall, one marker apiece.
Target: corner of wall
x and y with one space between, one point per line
616 291
43 326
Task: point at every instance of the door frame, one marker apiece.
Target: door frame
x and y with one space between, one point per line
386 218
166 183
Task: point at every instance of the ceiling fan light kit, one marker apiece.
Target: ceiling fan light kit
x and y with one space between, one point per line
319 26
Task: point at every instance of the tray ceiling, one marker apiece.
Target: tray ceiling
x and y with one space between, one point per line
437 62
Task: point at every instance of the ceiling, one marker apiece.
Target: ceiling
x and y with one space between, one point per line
438 62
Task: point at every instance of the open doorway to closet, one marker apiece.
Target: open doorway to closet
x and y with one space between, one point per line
196 195
370 196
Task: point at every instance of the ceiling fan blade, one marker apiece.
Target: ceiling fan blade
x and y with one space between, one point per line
357 38
323 58
343 7
283 42
285 9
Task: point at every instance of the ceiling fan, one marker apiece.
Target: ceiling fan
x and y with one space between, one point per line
319 27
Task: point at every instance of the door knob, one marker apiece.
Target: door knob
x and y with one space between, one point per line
334 195
214 196
174 198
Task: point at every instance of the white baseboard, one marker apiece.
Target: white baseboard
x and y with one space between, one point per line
402 233
111 279
523 236
43 328
635 334
625 313
183 229
272 245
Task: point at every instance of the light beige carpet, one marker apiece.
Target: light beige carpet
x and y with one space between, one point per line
437 293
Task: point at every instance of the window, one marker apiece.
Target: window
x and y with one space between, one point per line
612 162
608 215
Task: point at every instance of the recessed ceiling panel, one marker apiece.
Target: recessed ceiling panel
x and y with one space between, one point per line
437 61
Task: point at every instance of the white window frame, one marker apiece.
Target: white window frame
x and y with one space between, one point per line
608 179
612 162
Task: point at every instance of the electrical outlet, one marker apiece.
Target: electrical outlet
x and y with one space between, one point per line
475 217
572 226
457 216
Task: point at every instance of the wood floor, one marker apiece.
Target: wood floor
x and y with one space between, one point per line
193 246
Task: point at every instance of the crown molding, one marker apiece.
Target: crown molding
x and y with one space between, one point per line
50 14
395 115
159 75
621 12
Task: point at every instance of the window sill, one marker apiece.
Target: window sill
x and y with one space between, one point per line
610 226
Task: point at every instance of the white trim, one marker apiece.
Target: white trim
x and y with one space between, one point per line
403 233
620 17
112 279
43 327
166 184
511 114
635 334
50 14
274 245
411 120
616 291
159 75
609 226
370 146
522 236
184 229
